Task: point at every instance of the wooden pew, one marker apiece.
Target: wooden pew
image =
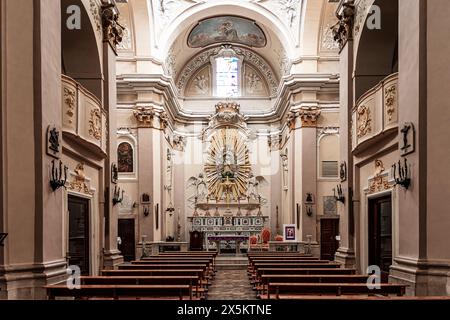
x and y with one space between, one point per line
121 291
160 273
318 278
251 266
193 281
177 260
291 290
207 274
299 271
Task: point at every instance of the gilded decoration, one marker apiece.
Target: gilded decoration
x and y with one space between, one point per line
78 184
95 124
364 121
390 99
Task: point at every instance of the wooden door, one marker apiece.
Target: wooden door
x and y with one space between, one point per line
78 254
329 230
127 236
380 234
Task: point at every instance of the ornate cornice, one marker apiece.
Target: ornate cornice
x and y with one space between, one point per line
249 56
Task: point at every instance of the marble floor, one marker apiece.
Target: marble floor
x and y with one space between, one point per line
231 285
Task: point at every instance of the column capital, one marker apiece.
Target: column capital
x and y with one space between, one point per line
145 116
309 116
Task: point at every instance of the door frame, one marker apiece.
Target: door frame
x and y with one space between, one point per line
365 226
328 217
94 229
134 231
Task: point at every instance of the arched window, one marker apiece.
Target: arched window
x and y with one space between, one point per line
227 73
125 158
227 77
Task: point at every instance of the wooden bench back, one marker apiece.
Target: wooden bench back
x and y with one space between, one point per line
305 271
121 291
278 289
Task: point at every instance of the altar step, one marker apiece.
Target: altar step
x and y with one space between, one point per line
231 262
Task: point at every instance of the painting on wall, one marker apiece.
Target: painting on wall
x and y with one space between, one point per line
125 158
227 29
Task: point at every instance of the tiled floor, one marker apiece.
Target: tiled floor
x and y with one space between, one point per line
231 285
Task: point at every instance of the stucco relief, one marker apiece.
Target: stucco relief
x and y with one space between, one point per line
70 101
360 17
390 100
327 42
380 181
364 121
79 182
95 12
125 21
254 84
200 84
95 124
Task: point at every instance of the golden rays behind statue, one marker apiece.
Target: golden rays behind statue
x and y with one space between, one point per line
227 166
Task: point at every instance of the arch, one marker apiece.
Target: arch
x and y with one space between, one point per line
328 151
80 53
376 53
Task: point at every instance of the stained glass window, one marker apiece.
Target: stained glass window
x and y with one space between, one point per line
227 72
125 157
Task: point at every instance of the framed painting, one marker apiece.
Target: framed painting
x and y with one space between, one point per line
289 232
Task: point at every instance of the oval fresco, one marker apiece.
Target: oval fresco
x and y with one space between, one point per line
227 29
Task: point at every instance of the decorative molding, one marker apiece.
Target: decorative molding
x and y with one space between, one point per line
360 16
364 121
343 29
95 12
95 124
390 100
323 131
380 180
249 56
78 183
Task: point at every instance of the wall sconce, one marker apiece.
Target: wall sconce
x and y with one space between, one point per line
309 201
118 196
2 238
403 177
340 195
56 180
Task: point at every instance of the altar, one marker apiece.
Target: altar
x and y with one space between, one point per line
237 239
218 230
